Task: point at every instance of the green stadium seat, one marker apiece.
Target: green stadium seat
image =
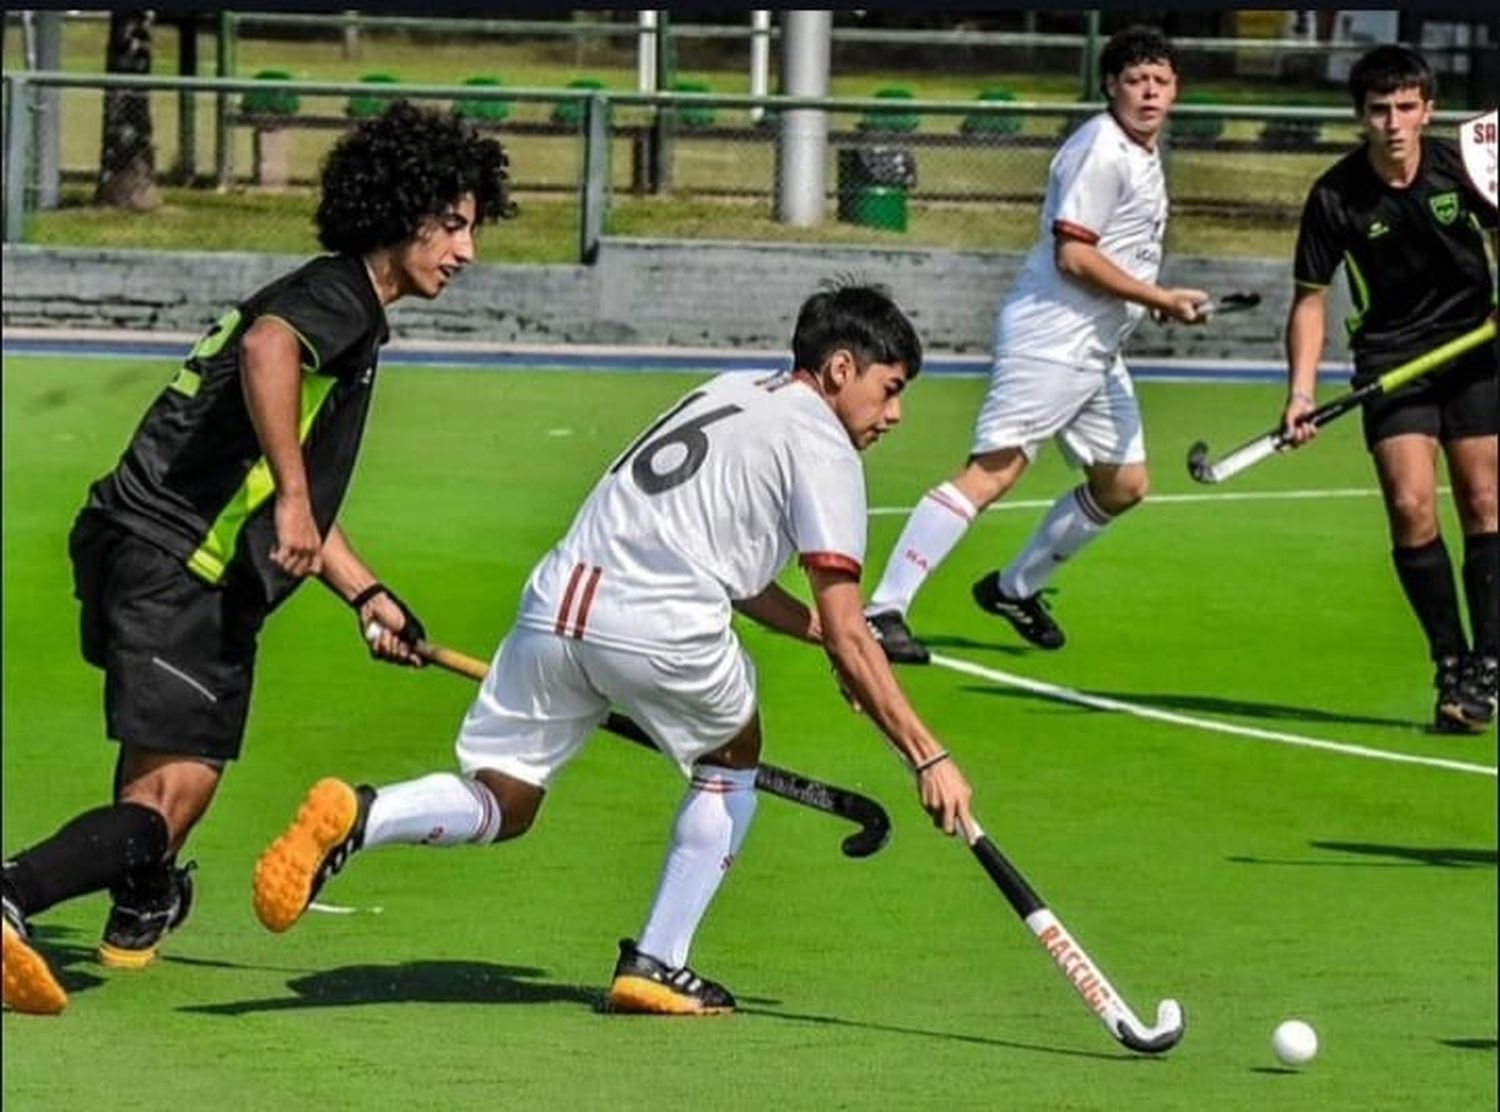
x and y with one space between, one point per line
569 113
362 107
992 123
694 115
270 102
892 119
1203 128
483 111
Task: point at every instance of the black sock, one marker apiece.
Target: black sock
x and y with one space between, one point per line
1426 576
1480 553
93 851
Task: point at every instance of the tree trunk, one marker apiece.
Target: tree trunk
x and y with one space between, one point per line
127 159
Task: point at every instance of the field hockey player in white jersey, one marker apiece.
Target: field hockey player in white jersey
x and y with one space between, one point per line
1058 371
632 609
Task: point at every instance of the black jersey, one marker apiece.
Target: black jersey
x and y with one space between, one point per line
1414 258
193 478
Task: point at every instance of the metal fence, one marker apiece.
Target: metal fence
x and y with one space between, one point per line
592 162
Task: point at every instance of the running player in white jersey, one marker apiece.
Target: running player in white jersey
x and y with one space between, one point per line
632 609
1058 371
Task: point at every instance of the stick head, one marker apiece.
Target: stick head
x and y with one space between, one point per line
874 829
1160 1037
1197 463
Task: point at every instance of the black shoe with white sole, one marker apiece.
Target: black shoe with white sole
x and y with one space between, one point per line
896 638
1028 615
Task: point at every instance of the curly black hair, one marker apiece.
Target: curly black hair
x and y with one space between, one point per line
384 178
1134 46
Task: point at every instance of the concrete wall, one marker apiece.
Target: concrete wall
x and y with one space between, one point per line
641 292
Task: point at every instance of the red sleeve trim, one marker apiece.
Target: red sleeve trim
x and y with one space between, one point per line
1066 229
831 561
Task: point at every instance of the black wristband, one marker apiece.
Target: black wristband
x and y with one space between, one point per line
376 588
931 762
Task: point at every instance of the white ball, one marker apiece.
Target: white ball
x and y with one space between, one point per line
1294 1042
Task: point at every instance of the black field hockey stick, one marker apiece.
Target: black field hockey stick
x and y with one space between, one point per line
1276 440
1069 957
874 824
1241 301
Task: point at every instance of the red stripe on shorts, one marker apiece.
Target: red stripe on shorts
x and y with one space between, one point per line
587 601
567 602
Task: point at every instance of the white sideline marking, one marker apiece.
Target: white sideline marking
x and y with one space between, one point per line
1155 499
1100 702
340 909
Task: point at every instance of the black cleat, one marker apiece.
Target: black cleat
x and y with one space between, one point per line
896 638
644 986
139 921
1484 678
1028 615
328 829
1463 706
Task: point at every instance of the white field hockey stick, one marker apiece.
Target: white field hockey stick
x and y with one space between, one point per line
1069 957
1267 444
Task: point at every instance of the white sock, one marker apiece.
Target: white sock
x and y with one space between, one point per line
1074 520
711 825
938 523
438 810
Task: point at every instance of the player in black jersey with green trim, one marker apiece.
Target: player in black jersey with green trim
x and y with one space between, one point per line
224 501
1403 218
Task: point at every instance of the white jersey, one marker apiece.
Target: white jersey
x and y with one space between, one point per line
1106 189
707 506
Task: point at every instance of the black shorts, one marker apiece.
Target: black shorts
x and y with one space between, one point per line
1458 402
178 654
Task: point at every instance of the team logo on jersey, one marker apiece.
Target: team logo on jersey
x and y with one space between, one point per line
1444 206
1378 229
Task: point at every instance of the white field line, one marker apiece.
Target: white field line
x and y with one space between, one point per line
1169 499
340 909
1099 702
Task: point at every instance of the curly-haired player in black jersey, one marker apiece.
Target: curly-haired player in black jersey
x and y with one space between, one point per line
223 502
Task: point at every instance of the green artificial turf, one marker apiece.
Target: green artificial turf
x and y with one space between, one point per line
1253 880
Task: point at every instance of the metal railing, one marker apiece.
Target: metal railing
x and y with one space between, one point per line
651 125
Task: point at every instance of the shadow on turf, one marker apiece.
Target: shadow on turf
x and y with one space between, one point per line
1443 857
427 982
947 1036
954 642
1469 1044
1210 704
64 954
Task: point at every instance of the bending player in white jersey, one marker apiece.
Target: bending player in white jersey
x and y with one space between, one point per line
632 608
1058 371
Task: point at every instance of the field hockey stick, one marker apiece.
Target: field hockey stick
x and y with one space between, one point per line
874 824
1276 440
1238 302
1069 957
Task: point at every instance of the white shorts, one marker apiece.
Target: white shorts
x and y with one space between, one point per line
1095 418
544 695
